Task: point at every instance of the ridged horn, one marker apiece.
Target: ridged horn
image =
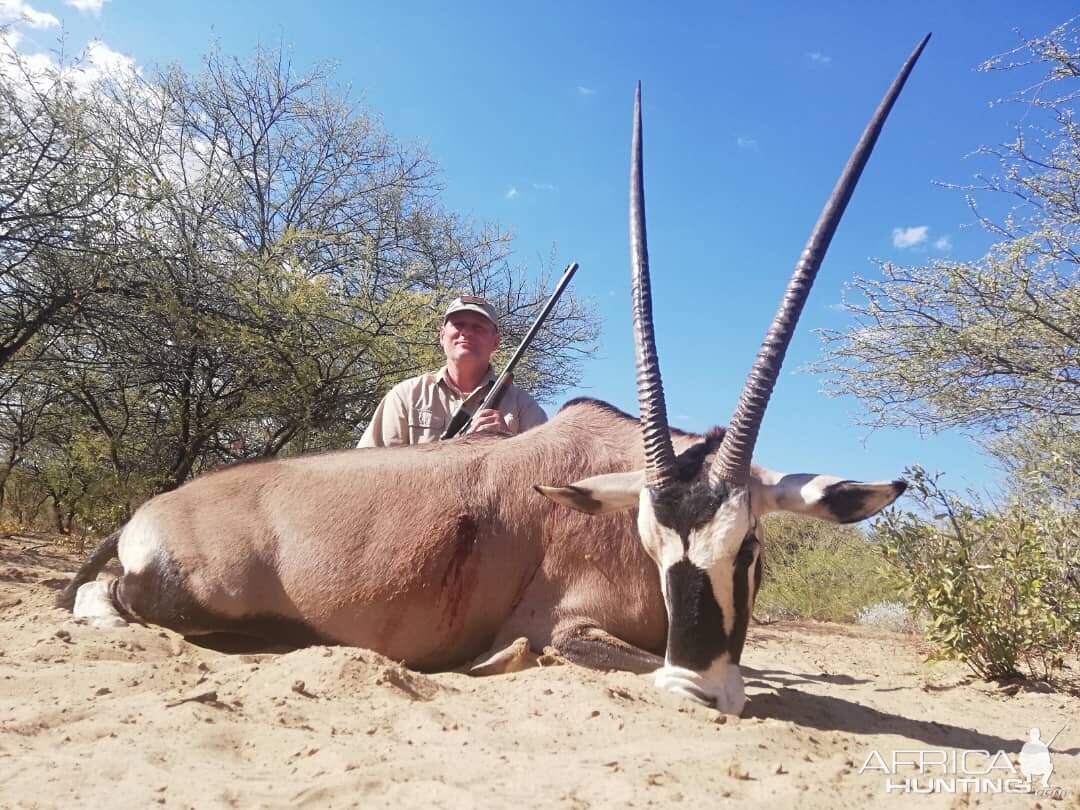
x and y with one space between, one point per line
733 461
659 454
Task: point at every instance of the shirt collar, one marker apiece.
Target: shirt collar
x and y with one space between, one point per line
442 376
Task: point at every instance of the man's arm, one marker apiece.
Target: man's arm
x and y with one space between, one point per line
389 424
524 414
531 414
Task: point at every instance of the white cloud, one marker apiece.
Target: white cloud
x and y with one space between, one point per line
102 62
544 187
819 58
16 11
585 91
511 193
107 62
10 39
909 237
97 62
23 69
745 142
944 244
92 6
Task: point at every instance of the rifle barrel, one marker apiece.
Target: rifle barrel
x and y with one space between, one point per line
1052 739
520 350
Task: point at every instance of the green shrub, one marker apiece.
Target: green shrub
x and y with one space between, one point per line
1000 589
818 570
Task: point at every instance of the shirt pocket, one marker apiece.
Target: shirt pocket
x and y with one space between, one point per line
425 426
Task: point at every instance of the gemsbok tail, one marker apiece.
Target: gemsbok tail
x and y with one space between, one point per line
89 571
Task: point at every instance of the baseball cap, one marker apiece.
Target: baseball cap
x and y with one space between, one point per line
472 303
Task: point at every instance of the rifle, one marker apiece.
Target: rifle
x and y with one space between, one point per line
1054 738
461 419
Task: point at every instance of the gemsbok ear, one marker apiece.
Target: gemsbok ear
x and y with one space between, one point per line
600 494
826 497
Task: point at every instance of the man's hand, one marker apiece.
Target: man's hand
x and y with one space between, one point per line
488 420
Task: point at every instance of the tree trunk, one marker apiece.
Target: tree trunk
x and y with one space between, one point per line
58 516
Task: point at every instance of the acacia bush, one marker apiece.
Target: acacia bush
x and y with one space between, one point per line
817 570
988 345
205 266
999 588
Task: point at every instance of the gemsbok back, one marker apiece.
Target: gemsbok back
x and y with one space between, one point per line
436 554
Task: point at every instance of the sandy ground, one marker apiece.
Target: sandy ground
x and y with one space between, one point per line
138 717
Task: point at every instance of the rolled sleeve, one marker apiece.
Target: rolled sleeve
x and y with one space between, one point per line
389 424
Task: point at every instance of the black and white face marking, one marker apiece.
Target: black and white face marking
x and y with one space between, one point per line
705 541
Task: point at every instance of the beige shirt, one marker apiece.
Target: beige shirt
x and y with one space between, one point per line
417 410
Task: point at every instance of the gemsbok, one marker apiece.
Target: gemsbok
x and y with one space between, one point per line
434 554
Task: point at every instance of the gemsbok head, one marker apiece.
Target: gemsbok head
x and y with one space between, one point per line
699 513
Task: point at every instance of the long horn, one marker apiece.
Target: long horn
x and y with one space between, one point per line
733 461
659 454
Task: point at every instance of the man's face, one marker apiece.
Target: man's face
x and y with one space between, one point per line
467 335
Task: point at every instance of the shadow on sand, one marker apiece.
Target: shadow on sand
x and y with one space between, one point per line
830 713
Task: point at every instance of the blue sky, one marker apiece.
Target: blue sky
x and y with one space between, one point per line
750 111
